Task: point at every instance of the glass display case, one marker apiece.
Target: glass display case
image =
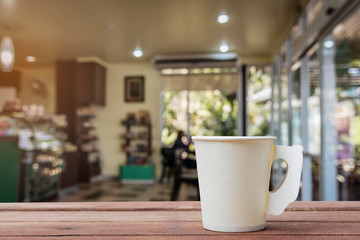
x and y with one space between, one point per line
41 141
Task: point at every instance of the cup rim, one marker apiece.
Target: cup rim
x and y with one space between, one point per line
232 138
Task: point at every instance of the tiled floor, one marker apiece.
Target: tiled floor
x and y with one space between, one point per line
111 190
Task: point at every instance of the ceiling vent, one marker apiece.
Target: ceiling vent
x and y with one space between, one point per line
196 60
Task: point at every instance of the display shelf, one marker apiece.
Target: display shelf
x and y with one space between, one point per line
131 145
137 145
87 140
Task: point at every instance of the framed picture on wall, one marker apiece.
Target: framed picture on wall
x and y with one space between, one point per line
134 88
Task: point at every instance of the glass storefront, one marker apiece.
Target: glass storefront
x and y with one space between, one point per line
314 122
330 130
284 81
309 96
347 110
296 109
275 113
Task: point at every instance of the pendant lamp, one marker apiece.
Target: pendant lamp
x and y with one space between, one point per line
7 54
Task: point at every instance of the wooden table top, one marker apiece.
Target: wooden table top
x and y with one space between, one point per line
169 220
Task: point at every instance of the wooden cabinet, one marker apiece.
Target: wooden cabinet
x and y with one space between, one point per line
10 79
70 177
65 95
84 82
99 85
79 85
91 83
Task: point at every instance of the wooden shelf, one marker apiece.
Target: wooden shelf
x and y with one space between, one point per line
85 116
135 123
130 136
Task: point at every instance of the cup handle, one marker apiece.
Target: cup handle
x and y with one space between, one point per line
288 190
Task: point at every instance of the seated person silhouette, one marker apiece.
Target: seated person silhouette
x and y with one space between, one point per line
181 142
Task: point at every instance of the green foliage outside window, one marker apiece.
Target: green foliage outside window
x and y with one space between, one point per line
211 113
258 109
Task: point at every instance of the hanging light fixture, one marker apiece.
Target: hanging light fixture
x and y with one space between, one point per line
7 54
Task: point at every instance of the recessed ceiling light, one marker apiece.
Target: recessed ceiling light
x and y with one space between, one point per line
31 59
224 47
137 52
223 18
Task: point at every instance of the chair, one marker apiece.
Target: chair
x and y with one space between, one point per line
183 175
167 164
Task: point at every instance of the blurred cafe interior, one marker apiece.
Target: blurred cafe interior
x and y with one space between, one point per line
99 99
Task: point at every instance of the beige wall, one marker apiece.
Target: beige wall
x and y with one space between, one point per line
47 98
108 118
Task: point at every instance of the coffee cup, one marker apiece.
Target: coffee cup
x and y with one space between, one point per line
234 174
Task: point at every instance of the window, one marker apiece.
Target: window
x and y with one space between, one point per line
199 101
258 101
314 123
347 108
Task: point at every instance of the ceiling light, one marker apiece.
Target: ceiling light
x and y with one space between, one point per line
328 43
137 52
31 59
7 54
224 47
223 18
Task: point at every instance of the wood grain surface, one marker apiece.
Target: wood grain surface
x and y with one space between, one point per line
169 220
